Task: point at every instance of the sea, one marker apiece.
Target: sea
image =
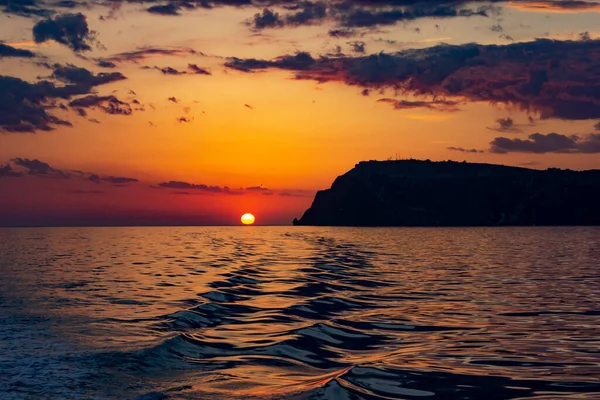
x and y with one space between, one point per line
255 312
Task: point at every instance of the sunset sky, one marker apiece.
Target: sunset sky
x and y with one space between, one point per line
195 112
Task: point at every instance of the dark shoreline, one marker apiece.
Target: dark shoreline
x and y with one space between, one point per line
414 193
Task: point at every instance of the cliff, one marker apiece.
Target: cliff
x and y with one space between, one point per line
425 193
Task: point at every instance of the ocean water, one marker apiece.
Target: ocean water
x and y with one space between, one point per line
299 313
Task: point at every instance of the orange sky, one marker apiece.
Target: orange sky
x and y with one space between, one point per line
262 129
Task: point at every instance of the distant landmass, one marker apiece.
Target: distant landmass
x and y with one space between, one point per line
426 193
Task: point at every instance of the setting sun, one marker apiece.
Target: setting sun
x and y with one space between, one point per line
247 219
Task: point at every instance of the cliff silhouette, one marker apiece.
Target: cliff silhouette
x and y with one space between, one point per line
426 193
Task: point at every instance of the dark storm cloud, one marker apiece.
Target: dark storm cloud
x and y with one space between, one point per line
191 186
464 150
81 76
439 105
68 29
165 9
9 51
550 143
558 79
108 104
145 52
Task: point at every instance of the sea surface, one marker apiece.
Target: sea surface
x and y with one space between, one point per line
299 313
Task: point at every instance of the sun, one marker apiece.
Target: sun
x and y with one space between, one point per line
247 219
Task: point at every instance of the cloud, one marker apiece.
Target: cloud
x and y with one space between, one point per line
506 125
68 29
191 186
344 33
9 51
257 189
7 171
357 14
438 105
24 8
118 180
267 19
308 13
105 64
198 70
146 52
558 79
192 69
24 106
597 126
109 104
357 46
20 167
465 150
362 17
556 6
550 143
81 76
169 71
299 61
165 9
184 187
37 167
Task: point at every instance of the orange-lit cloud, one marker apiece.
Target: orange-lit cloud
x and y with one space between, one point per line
567 6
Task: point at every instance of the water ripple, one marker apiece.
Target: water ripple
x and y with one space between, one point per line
299 313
